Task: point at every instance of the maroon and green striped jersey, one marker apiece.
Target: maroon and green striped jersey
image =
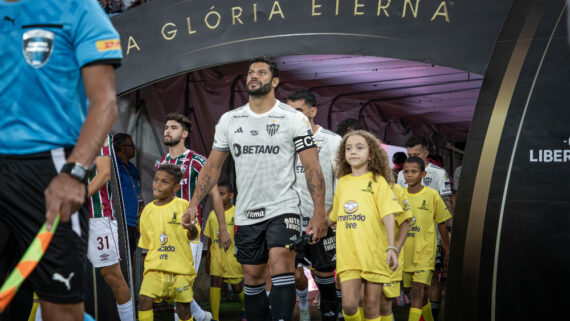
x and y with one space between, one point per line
191 164
101 203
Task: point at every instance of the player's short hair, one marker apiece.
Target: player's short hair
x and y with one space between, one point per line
181 119
272 66
416 140
227 185
416 160
172 170
347 125
305 95
399 158
119 140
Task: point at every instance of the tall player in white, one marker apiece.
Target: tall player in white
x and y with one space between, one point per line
322 255
264 137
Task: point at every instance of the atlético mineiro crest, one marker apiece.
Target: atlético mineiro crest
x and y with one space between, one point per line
272 129
37 45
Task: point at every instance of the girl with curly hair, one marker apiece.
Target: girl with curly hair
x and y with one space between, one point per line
363 209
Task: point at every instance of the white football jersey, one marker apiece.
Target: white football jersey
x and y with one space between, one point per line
327 143
436 178
264 148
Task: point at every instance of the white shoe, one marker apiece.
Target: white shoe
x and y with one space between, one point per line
208 316
304 315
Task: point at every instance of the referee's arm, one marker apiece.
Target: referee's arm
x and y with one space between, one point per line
65 194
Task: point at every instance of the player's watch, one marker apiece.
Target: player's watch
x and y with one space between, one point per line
77 171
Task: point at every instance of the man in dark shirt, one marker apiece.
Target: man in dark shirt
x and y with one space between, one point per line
130 185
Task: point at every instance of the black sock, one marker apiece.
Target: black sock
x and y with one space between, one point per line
339 300
435 310
283 296
255 301
329 301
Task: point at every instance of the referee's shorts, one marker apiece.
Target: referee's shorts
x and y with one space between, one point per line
58 277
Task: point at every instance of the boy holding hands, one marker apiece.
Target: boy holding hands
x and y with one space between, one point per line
169 267
428 210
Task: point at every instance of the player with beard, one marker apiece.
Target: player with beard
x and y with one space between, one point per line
177 128
321 257
264 138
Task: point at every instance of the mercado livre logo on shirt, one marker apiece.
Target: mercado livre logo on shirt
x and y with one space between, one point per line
350 219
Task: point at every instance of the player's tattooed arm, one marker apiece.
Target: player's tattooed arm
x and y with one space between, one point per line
318 225
448 203
206 180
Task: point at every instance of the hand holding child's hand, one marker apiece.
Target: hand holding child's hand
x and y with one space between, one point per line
392 259
189 217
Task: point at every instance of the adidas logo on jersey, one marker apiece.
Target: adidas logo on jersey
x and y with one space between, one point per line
239 131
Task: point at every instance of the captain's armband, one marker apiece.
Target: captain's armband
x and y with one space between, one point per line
304 142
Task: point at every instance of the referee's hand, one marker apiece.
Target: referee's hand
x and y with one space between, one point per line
189 217
64 195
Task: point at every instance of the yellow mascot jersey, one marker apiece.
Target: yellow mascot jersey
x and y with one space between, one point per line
358 208
428 209
167 243
400 195
222 263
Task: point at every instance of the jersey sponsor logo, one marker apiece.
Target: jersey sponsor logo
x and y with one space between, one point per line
238 131
350 207
254 132
413 229
292 223
368 188
37 46
329 243
253 214
272 129
107 45
163 238
423 206
304 142
67 281
255 149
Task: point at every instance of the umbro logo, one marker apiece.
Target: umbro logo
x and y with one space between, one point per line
239 131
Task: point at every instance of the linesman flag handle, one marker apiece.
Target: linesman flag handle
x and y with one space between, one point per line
27 264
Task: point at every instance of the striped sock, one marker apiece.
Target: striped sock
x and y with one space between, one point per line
255 301
283 296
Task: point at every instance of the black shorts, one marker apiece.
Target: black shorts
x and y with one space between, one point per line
58 277
254 241
320 256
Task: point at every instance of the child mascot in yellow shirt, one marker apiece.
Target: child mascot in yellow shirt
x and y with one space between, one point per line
429 211
169 267
363 209
221 264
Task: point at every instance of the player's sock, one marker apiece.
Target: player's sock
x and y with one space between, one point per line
283 296
329 300
215 295
197 312
339 306
240 297
146 315
386 318
303 296
415 314
361 311
125 310
355 317
434 310
255 301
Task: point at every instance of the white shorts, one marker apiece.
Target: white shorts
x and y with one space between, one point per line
103 247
